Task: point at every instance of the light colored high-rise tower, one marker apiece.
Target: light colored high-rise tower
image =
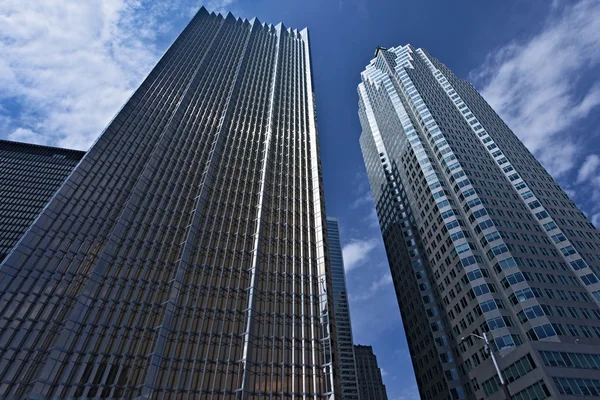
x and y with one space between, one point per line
481 240
343 324
185 256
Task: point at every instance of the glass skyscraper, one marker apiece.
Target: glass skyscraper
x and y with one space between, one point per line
343 324
480 239
185 255
29 177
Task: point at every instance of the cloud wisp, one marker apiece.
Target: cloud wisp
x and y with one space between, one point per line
373 290
588 169
356 252
362 192
588 177
536 85
68 66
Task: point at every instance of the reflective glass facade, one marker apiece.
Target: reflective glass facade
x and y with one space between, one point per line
29 176
479 236
185 256
370 382
343 323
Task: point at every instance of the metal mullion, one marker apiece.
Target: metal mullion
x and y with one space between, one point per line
254 143
231 87
258 221
212 235
257 93
220 201
248 81
293 220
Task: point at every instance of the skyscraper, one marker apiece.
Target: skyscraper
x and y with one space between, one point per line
185 255
480 238
29 176
343 324
370 382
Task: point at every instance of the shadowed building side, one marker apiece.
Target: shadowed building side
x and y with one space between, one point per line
29 176
370 382
343 322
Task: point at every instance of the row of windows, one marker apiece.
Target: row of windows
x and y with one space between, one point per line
570 360
521 295
537 391
578 387
511 373
535 204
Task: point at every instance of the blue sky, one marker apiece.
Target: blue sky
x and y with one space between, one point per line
68 65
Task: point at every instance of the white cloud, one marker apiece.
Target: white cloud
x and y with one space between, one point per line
363 206
589 168
362 190
572 193
357 251
596 220
219 6
371 220
588 177
594 187
70 65
361 200
27 135
385 280
533 84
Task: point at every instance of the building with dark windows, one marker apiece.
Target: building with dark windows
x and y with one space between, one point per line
370 382
185 256
29 176
479 237
343 324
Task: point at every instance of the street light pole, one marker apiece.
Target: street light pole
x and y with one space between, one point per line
491 353
488 349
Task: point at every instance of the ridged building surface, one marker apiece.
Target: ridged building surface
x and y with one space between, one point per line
185 256
29 177
343 323
370 381
480 238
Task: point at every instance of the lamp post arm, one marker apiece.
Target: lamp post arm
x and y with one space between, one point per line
498 372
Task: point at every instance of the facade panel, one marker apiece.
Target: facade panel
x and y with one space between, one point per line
29 177
479 236
186 254
343 323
